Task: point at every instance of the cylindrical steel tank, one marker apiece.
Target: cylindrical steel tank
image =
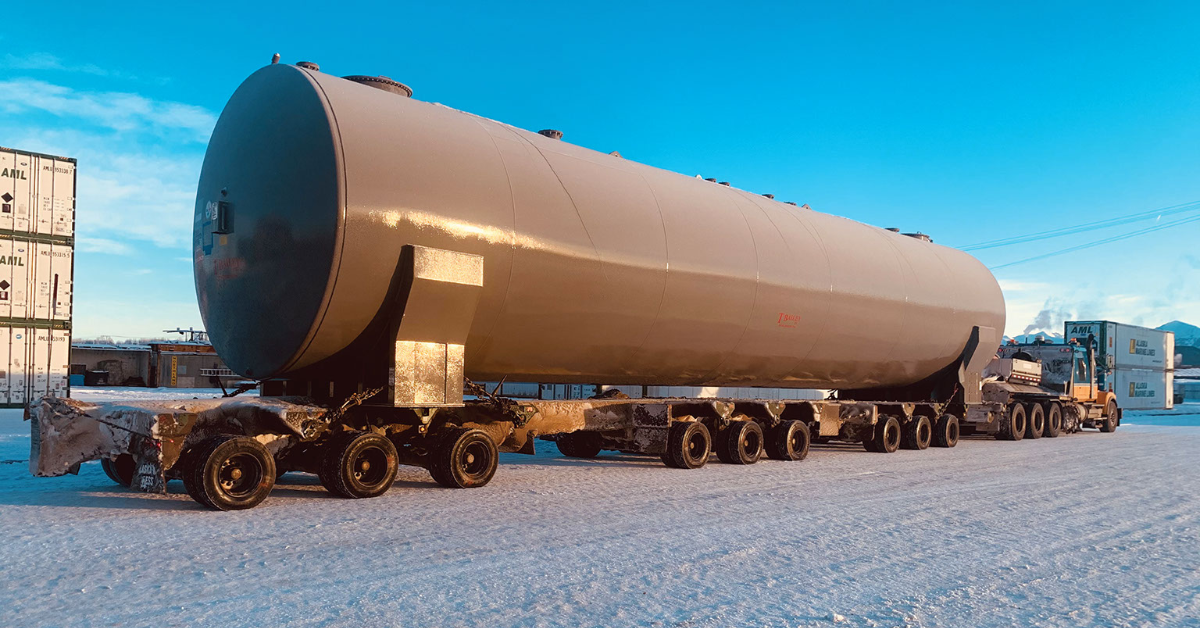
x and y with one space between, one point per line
596 269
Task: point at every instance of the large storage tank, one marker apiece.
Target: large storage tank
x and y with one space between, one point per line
596 269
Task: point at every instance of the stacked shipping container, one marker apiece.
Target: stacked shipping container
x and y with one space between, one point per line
1137 363
37 242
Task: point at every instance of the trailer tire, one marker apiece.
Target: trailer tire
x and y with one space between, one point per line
463 458
788 440
946 432
120 469
740 443
229 472
579 445
887 435
1035 420
358 465
688 445
1109 424
1012 427
917 433
1053 420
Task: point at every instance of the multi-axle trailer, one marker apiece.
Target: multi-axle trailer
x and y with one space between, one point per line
364 255
228 452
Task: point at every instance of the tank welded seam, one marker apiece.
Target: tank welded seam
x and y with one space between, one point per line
662 299
582 223
512 201
753 301
787 244
344 202
906 314
820 334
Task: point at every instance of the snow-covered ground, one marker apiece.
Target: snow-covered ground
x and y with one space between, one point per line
1087 530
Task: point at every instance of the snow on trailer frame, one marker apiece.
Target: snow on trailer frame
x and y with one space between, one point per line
355 448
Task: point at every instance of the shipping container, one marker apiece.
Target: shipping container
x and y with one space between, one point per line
1126 346
37 269
1144 389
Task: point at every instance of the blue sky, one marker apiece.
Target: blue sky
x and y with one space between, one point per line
964 121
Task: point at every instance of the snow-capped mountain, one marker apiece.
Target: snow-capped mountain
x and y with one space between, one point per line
1185 334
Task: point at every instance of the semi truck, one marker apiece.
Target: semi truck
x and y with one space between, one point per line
366 257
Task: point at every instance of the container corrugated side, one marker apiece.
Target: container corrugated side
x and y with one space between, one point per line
1144 389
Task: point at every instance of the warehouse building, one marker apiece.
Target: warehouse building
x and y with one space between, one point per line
183 364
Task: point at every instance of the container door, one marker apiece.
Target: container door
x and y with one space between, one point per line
25 192
5 342
64 199
19 264
60 362
43 217
40 363
18 361
9 176
42 279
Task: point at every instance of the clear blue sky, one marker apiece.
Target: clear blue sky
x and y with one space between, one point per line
969 123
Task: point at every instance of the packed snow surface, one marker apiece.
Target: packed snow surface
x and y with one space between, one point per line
1084 530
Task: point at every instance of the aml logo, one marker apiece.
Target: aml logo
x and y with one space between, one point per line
11 260
13 173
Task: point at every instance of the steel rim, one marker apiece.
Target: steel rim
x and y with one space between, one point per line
696 445
795 441
475 459
750 442
240 475
370 466
924 432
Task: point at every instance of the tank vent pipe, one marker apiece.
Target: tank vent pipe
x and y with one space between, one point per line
308 65
770 196
725 183
792 203
382 82
551 133
893 229
713 179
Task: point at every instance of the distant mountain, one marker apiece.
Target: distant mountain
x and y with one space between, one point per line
1052 337
1185 334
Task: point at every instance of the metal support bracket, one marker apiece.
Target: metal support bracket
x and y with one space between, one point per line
438 299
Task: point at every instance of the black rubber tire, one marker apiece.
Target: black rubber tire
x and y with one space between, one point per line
788 440
740 443
917 433
209 471
120 469
359 465
1111 420
887 434
868 442
688 445
1053 420
1012 426
1035 420
463 458
946 432
579 445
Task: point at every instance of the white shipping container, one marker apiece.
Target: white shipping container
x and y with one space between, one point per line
37 193
1144 389
1142 348
1126 346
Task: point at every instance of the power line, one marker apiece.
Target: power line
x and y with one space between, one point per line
1108 240
1090 226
